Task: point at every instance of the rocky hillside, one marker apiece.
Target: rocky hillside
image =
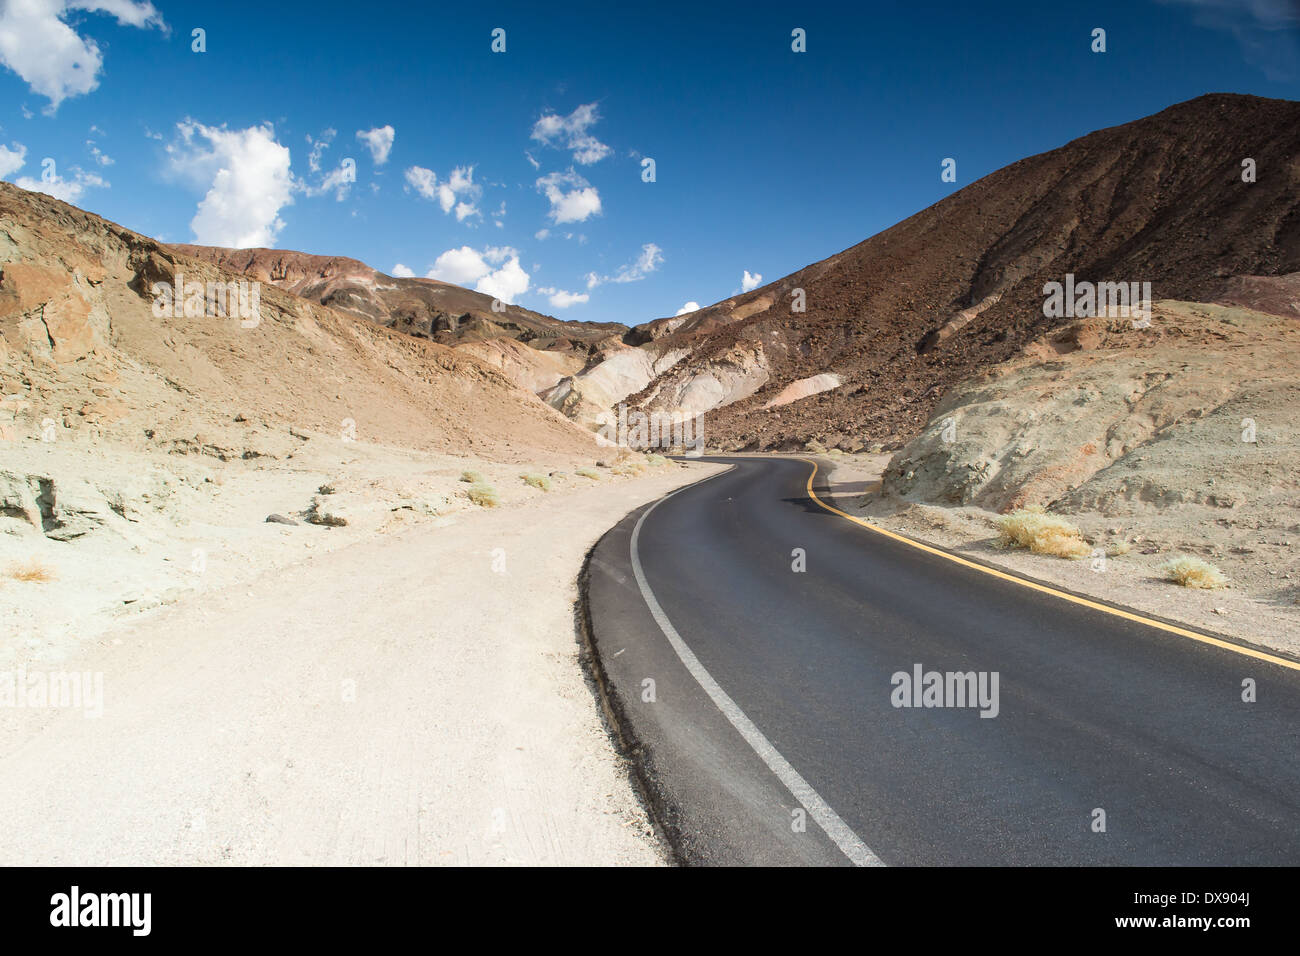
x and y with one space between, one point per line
84 352
895 322
425 308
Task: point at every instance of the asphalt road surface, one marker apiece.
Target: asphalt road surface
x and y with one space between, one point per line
761 700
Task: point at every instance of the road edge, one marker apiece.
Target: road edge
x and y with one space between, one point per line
826 467
631 752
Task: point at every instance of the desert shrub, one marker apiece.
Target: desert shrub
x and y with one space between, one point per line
473 477
485 496
537 481
656 461
31 570
1192 572
591 473
1041 533
325 490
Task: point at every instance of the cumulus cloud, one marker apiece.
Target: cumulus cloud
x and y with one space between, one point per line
379 141
688 307
561 299
572 133
49 55
69 190
402 272
572 198
11 160
249 177
467 265
750 281
457 192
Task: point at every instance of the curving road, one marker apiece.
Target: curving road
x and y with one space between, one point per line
760 700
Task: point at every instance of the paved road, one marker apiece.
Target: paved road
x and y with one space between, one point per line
773 695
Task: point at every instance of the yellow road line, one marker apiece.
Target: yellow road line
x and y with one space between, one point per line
1032 585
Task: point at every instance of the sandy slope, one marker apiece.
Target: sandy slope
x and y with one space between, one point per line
396 701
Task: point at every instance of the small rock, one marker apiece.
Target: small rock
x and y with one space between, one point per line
1220 610
279 519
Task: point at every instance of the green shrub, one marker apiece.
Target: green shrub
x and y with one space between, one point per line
485 496
537 481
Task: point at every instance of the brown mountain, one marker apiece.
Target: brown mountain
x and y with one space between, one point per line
902 317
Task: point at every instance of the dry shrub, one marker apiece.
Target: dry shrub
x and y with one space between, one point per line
1192 572
1041 533
31 571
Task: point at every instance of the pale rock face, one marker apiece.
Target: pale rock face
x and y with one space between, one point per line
805 387
1125 420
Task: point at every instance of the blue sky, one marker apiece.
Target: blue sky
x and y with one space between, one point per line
520 173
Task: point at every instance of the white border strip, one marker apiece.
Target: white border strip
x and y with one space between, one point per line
850 843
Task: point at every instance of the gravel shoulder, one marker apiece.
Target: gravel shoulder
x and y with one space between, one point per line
1258 607
411 697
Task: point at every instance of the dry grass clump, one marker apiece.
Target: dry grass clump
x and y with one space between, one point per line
656 461
31 571
485 496
591 473
473 477
538 481
1192 572
1041 533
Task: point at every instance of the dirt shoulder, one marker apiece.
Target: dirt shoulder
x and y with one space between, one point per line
1257 607
405 697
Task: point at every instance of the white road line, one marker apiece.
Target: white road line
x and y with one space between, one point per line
850 843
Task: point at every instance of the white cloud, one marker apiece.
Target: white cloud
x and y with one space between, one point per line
69 190
423 181
576 203
541 233
561 299
1265 30
11 160
379 141
571 132
402 272
749 281
318 146
250 182
649 261
533 162
99 156
688 307
458 191
465 265
505 283
51 57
